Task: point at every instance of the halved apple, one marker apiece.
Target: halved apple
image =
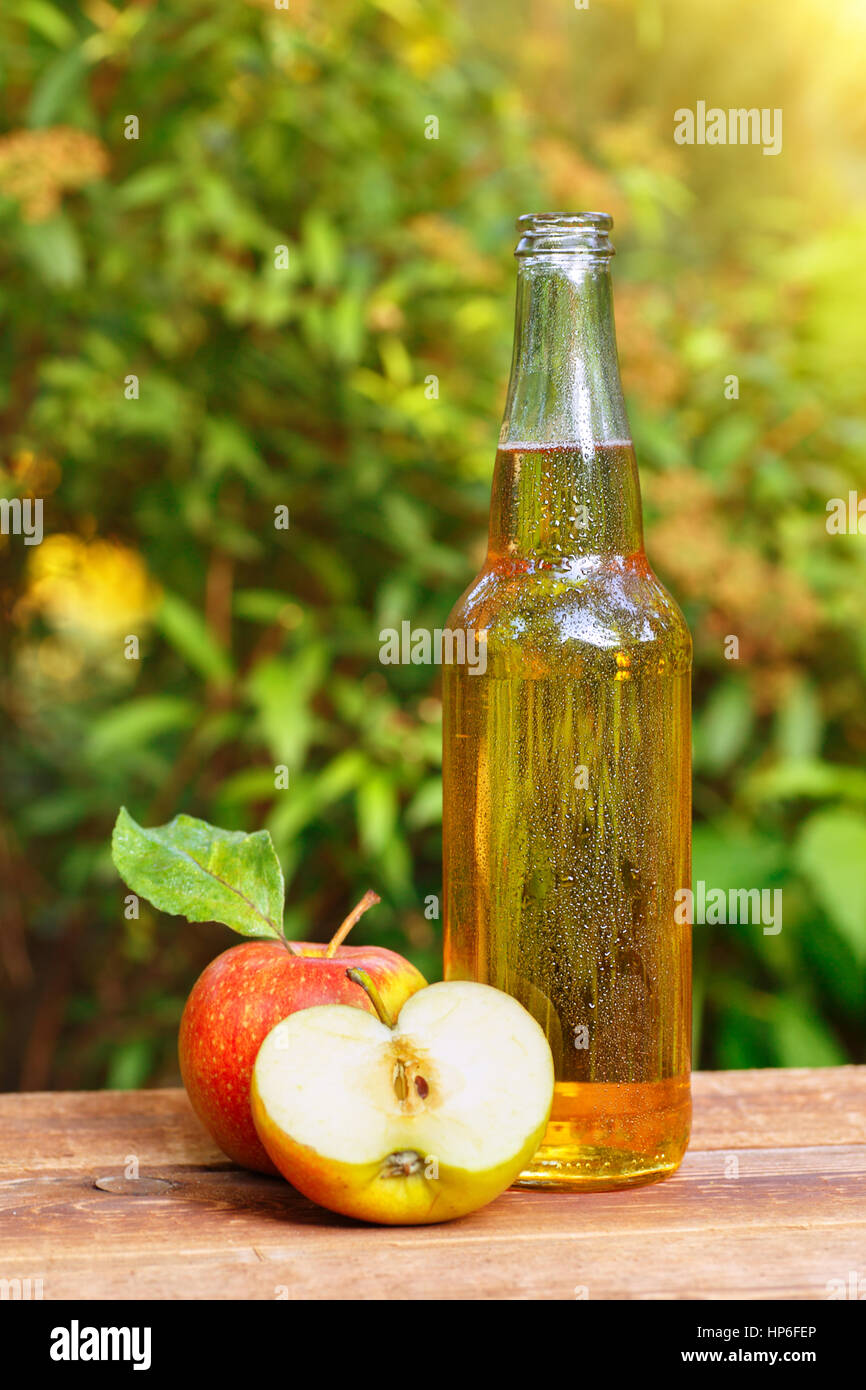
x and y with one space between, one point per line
417 1122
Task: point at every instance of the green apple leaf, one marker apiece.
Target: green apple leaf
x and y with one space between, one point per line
203 873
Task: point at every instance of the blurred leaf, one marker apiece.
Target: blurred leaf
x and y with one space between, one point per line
722 730
395 868
801 1039
186 631
226 446
281 690
52 815
250 784
726 857
799 724
137 722
129 1065
48 21
727 444
377 812
260 605
831 853
309 796
425 808
54 249
151 185
808 778
322 250
55 87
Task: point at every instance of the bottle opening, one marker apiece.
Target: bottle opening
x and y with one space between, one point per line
564 233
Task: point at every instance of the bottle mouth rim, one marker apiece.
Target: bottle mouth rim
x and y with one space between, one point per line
564 233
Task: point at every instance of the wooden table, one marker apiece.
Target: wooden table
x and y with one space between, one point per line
769 1203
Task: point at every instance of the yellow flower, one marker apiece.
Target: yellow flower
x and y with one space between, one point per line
427 54
37 166
97 590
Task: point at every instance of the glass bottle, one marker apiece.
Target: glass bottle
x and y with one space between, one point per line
567 760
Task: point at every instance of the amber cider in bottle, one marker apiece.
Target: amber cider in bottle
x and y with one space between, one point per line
567 759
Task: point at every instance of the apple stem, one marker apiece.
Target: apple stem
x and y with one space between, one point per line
360 977
369 900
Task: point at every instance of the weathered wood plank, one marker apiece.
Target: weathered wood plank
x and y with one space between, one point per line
52 1131
61 1131
46 1215
779 1109
770 1202
742 1264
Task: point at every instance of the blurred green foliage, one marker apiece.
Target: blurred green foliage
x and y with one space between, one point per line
315 297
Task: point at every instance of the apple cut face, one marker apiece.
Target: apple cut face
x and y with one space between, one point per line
419 1123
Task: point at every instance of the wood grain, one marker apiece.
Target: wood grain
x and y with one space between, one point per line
770 1203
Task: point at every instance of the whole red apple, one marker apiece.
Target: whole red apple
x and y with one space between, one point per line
206 874
243 994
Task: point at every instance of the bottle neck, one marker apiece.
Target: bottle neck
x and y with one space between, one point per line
566 480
